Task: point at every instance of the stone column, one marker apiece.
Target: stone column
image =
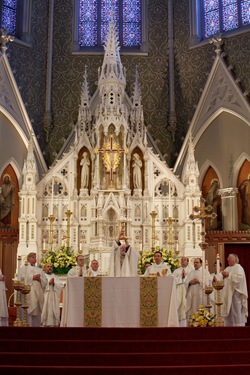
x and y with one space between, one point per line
229 208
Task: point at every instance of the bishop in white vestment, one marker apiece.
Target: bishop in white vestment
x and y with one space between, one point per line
235 294
180 275
51 308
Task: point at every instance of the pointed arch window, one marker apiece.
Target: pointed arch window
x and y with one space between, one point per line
93 18
15 17
9 16
211 17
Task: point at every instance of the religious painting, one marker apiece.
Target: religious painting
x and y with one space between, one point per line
210 192
243 185
9 200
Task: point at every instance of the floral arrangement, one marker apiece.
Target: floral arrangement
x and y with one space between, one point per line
147 256
62 259
202 318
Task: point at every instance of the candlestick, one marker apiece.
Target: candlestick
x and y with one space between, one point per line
169 200
153 214
203 269
217 264
52 196
206 274
26 273
19 260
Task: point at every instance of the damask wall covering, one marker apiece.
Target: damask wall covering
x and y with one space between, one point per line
192 67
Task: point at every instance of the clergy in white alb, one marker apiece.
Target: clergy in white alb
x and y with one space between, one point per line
35 277
195 287
51 307
235 294
4 315
180 275
123 258
93 270
159 267
79 269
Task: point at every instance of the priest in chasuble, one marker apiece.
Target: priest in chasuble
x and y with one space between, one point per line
123 258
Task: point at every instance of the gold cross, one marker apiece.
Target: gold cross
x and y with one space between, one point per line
203 212
111 157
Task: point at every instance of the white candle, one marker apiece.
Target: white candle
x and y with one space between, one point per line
19 260
218 265
80 247
206 275
44 245
176 246
203 268
26 273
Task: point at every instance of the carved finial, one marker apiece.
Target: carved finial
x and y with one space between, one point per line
4 39
218 42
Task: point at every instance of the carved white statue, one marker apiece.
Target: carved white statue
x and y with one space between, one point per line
85 163
137 165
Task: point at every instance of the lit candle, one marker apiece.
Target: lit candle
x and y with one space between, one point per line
218 264
203 268
206 274
26 273
19 260
176 247
80 247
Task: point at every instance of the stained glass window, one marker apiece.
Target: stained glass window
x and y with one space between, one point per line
225 15
8 16
94 17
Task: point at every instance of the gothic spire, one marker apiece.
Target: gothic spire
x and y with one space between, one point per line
84 115
112 70
191 170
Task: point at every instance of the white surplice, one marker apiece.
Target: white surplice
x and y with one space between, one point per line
235 297
51 307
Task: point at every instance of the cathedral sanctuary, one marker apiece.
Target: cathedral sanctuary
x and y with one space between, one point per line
126 120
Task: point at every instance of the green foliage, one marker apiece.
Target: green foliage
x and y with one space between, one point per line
62 259
202 318
147 256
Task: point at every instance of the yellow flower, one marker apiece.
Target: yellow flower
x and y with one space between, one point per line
62 259
148 257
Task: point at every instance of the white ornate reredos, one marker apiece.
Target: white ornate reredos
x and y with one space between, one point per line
107 175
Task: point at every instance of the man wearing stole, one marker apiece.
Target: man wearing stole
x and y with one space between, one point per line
158 268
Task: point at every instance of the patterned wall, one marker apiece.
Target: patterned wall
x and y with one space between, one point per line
192 67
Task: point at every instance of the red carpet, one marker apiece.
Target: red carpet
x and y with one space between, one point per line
124 350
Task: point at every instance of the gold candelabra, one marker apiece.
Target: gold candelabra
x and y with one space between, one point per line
208 291
18 285
25 292
218 286
51 220
153 214
68 213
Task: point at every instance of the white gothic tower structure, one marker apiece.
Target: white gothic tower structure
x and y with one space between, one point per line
107 175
